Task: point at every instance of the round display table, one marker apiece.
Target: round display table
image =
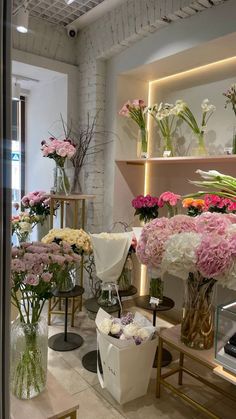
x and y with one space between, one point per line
66 341
89 361
166 304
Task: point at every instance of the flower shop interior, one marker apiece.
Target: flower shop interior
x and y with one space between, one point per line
121 214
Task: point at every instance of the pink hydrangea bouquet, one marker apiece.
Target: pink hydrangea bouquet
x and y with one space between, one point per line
128 328
200 250
146 207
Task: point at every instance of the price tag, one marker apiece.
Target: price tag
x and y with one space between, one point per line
228 150
154 300
167 153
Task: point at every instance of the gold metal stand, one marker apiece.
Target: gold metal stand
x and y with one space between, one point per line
78 202
171 337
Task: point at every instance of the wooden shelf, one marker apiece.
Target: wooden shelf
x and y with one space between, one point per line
182 160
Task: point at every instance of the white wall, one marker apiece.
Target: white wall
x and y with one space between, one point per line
43 108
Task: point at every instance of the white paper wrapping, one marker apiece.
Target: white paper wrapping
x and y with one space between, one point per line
110 252
137 232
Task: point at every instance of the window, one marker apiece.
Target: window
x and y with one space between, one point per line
18 151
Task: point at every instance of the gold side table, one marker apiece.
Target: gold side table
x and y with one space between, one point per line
78 203
171 337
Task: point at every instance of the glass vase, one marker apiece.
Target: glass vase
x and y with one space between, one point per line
168 150
29 349
142 143
63 186
234 141
43 228
126 278
156 284
66 280
197 327
107 297
200 149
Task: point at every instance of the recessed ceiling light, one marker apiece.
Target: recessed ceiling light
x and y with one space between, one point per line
22 20
69 1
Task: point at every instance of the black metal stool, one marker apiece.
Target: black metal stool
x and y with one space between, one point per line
166 304
66 341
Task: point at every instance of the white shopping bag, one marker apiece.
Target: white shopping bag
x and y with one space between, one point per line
126 371
126 367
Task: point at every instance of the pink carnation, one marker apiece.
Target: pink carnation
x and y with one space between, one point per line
46 276
31 279
214 255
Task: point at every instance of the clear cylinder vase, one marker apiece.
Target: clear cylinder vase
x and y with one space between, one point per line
197 326
199 147
142 143
66 280
62 182
168 150
126 278
156 284
29 349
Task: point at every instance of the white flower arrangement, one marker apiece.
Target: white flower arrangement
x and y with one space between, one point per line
77 238
129 328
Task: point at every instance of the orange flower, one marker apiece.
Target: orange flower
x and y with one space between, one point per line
199 203
187 202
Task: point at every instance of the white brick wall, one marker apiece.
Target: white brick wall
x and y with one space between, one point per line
115 31
108 36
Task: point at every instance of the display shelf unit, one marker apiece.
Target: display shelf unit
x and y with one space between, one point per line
180 160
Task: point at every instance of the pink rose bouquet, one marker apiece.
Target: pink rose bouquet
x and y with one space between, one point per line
146 207
58 150
38 203
169 199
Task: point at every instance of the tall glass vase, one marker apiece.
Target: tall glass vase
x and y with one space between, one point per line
156 284
126 278
197 327
199 148
29 348
142 143
168 150
62 183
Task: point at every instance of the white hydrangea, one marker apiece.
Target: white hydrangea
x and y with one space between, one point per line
105 326
131 330
228 278
180 254
115 328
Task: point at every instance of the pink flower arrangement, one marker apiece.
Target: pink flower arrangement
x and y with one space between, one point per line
169 199
136 111
58 150
146 207
205 244
34 272
38 203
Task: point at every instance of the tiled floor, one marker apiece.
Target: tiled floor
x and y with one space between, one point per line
96 403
